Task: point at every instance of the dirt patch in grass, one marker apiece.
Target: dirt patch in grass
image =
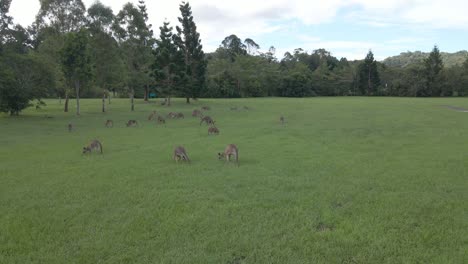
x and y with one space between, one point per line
322 227
236 260
455 108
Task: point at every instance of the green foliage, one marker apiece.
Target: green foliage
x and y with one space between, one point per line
244 77
368 75
5 21
100 18
433 65
23 79
169 69
62 15
417 57
188 40
136 41
123 48
251 46
297 82
234 46
76 61
109 68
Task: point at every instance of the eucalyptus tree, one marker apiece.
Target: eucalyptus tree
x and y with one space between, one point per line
76 62
62 15
233 44
252 46
136 40
5 21
54 20
109 68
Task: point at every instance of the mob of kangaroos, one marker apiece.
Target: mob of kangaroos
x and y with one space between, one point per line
231 152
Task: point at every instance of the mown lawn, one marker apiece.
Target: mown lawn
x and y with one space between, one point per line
345 180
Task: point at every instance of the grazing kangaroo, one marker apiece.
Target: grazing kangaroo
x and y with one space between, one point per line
246 108
151 116
161 120
70 127
95 144
109 123
196 113
172 115
234 108
132 123
180 115
230 150
180 154
208 120
282 120
213 130
205 108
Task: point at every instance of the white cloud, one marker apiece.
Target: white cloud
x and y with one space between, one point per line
246 18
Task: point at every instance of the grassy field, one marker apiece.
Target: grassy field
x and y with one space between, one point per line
345 180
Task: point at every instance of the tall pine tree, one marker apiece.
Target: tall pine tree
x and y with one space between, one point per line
433 65
188 40
368 75
169 69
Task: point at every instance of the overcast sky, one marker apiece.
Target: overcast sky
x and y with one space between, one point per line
347 28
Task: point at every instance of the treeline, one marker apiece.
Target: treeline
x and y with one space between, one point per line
235 71
71 52
408 58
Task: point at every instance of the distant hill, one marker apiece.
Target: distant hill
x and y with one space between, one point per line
407 58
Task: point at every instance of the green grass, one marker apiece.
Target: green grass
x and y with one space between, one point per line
345 180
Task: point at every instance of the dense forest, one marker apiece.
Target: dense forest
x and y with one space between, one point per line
71 51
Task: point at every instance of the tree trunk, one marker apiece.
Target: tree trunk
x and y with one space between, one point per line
66 103
369 84
146 93
109 96
131 100
168 101
77 89
104 102
188 100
